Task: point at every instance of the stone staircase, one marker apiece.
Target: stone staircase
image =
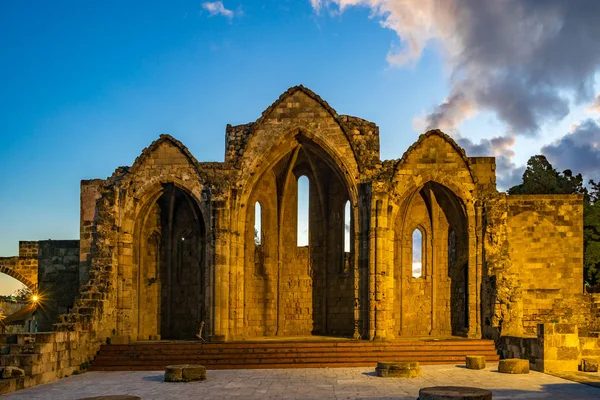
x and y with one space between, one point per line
292 354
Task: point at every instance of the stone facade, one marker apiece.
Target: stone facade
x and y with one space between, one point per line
170 242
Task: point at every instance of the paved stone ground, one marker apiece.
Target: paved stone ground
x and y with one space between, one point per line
328 383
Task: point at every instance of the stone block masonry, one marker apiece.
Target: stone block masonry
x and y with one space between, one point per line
170 243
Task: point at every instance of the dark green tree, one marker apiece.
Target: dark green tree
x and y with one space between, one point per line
541 178
591 238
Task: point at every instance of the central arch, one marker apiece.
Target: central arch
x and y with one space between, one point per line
172 272
301 287
436 300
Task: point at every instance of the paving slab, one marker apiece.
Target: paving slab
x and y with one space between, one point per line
308 383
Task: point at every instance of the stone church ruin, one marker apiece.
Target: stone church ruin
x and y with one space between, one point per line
422 245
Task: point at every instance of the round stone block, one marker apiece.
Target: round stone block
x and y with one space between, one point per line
454 393
398 369
513 366
185 373
475 362
399 365
113 397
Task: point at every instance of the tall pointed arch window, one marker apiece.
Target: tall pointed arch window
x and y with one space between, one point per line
417 253
347 227
303 210
257 224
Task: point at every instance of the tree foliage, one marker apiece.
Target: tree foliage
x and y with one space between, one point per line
591 236
541 178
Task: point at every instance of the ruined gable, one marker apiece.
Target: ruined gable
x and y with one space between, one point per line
164 159
297 112
435 156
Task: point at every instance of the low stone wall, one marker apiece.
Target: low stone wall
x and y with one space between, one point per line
45 357
522 347
556 348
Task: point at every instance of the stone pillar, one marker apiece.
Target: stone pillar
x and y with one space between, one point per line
380 273
89 193
478 263
364 294
220 222
236 275
472 287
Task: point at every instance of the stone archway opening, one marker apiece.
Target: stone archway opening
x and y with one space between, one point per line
172 267
434 301
298 279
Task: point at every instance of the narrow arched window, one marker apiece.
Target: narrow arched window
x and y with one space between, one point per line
417 254
257 224
451 247
347 225
303 210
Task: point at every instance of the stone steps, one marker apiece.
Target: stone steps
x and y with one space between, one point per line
157 355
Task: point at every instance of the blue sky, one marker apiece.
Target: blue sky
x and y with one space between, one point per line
87 85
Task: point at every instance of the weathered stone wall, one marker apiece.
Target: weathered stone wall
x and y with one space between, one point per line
90 192
545 245
433 188
58 263
502 293
527 348
311 288
45 357
364 138
555 347
165 168
484 172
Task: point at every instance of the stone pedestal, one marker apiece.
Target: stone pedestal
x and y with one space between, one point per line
475 362
454 393
398 369
185 373
589 365
513 366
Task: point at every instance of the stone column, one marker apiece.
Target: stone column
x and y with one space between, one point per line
380 275
472 287
479 262
221 267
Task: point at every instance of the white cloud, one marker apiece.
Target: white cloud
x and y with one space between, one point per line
595 105
417 270
217 8
526 61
